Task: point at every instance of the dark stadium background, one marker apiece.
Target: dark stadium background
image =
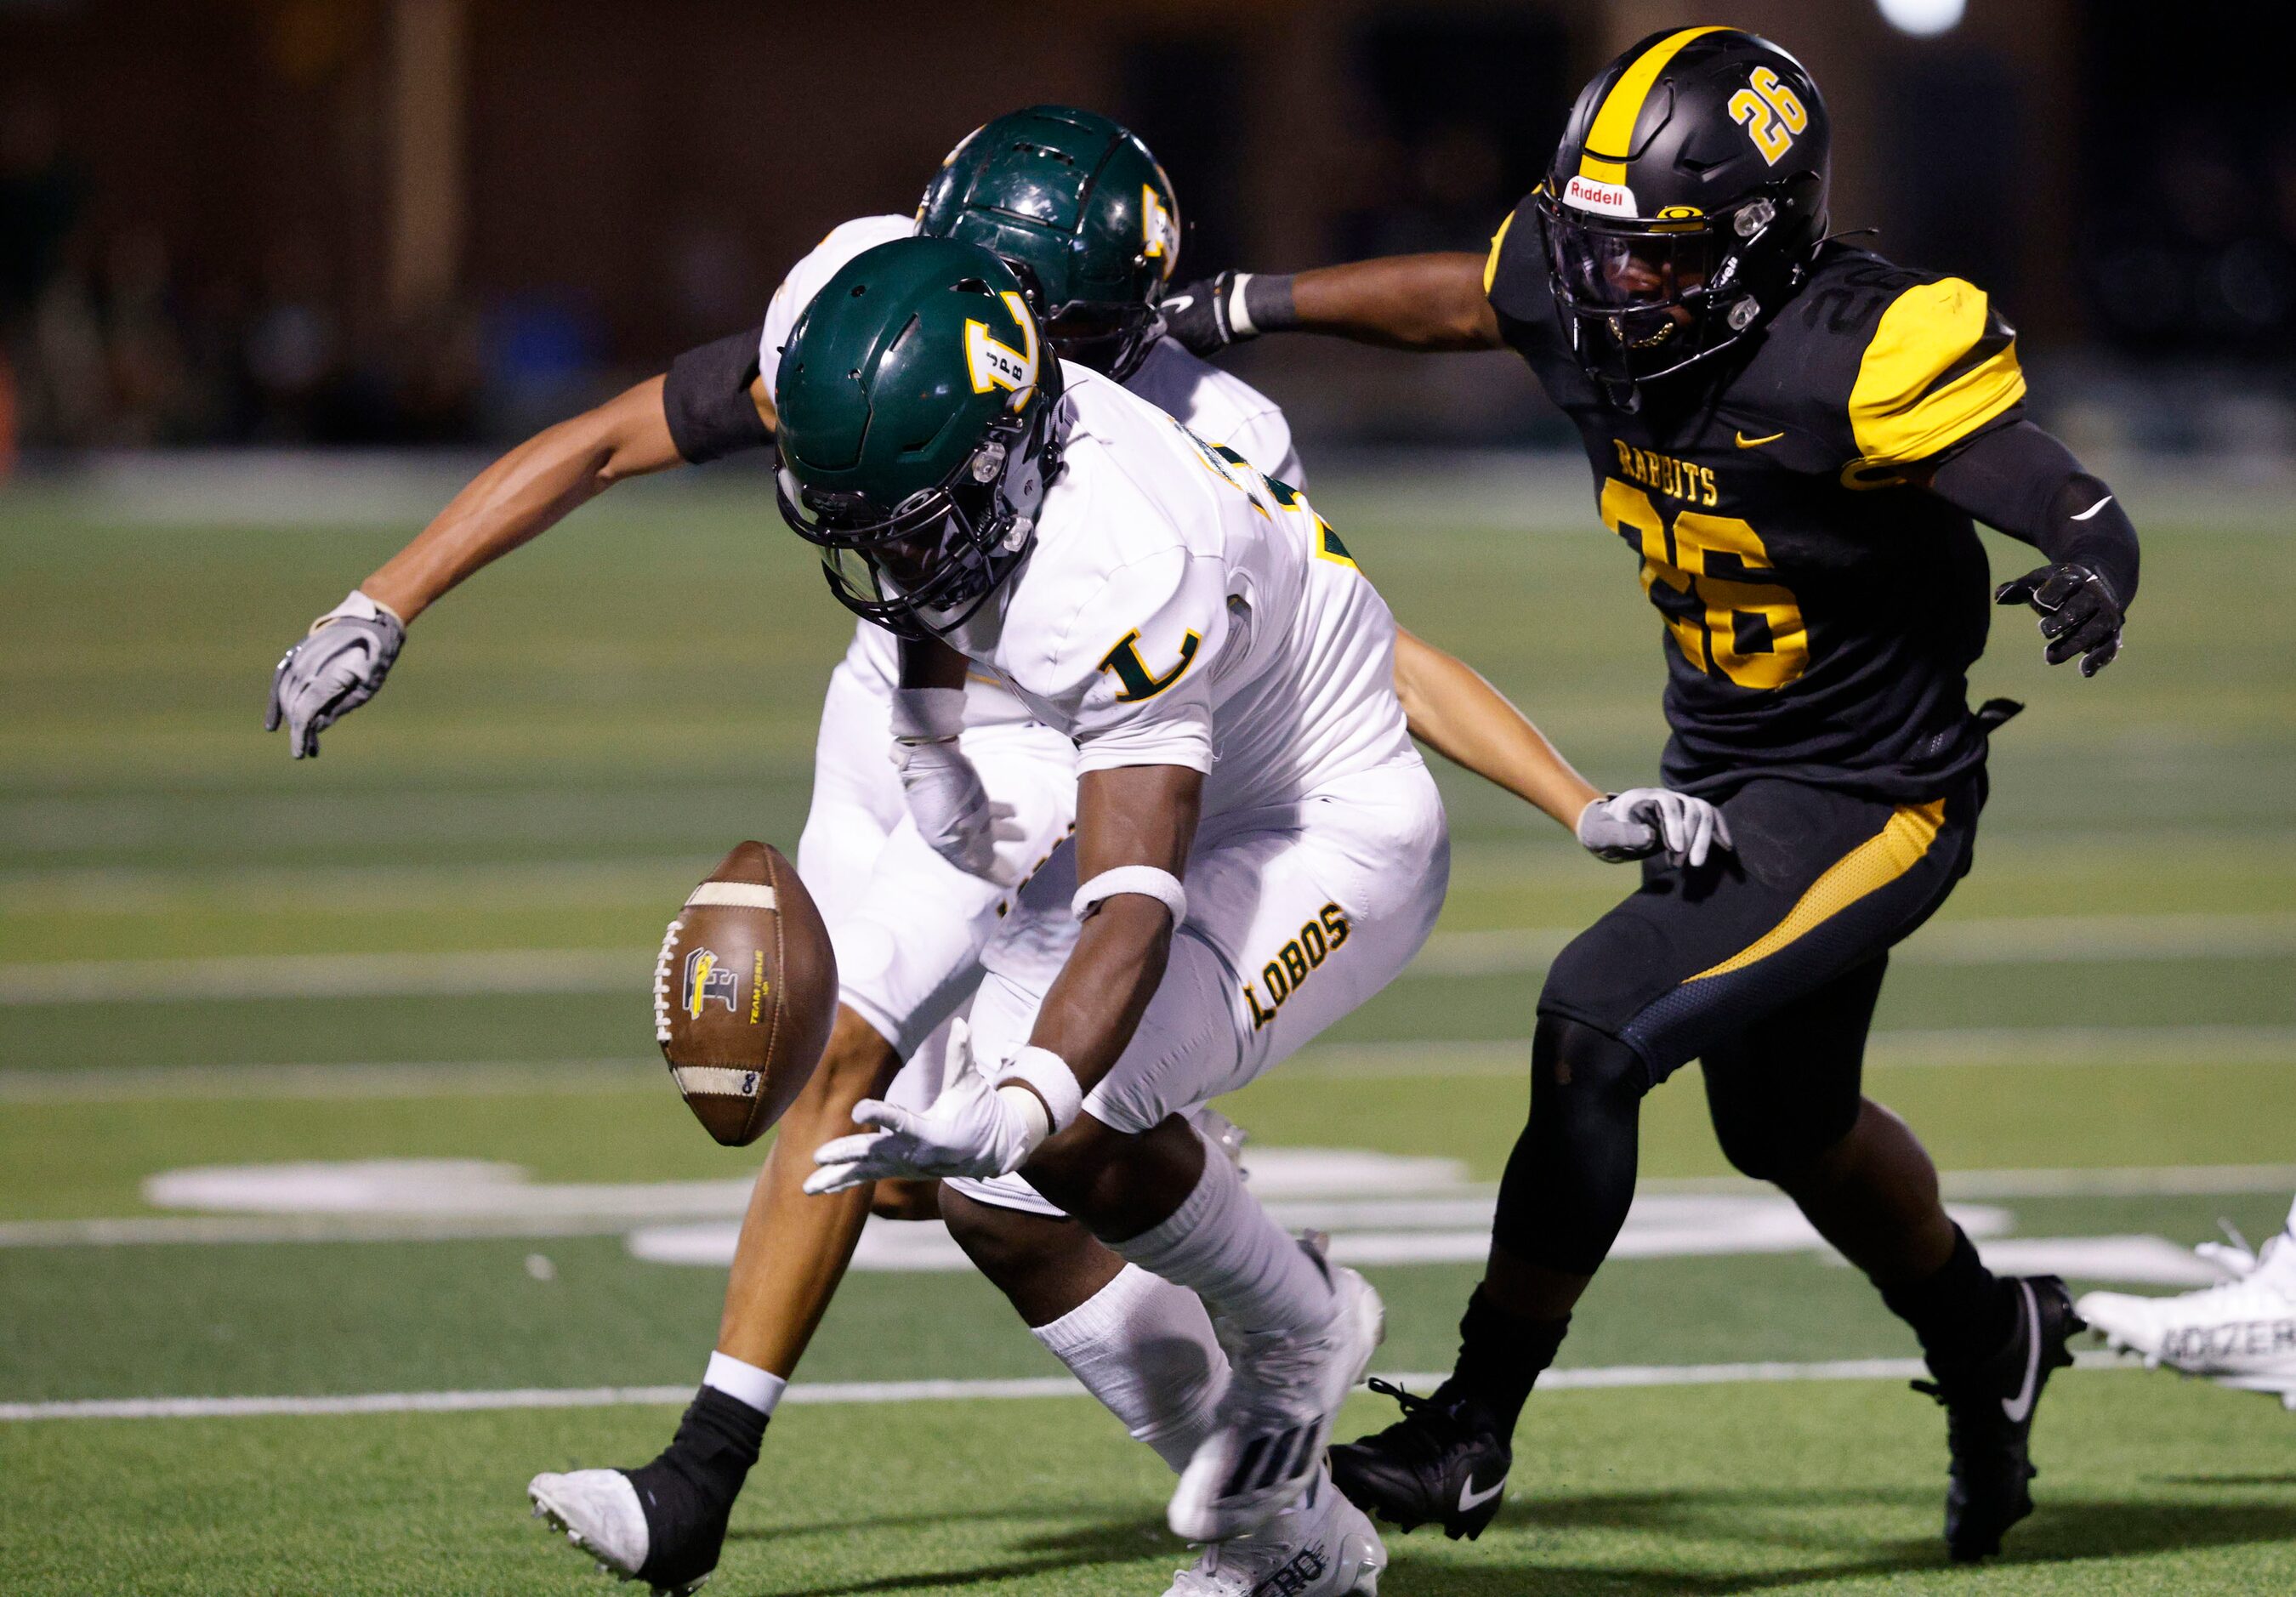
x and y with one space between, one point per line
378 222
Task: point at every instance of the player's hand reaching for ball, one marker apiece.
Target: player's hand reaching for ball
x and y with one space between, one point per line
972 1130
333 670
1646 821
2079 613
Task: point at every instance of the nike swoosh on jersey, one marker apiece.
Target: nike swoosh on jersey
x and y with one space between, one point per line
2092 509
1746 443
1470 1499
2015 1409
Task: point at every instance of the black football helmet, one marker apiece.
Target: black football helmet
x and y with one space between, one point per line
1684 202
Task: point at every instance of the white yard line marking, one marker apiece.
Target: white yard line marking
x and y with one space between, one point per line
1963 1046
909 1391
2008 940
1981 1045
2069 940
646 1207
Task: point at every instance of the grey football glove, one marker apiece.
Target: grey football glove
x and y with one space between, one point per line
1645 821
332 671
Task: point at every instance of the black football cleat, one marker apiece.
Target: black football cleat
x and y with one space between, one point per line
662 1524
1443 1463
1988 1415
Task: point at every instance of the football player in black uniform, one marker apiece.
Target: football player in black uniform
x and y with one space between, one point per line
1792 434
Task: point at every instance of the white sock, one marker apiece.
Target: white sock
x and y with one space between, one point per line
1221 1245
761 1390
1145 1347
2291 1219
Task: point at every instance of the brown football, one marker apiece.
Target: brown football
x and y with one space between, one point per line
744 994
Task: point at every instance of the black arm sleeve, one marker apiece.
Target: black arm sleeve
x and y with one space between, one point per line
707 398
2023 482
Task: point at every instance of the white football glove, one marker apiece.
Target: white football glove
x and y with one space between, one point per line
1643 820
335 668
943 789
972 1130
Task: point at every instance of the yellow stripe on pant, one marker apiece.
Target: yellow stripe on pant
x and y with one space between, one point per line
1901 844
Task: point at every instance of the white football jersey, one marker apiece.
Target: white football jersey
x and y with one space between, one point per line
1180 607
1214 405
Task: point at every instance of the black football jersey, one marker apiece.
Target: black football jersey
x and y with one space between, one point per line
1820 614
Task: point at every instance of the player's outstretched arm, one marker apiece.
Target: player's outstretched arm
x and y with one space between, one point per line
2022 481
342 660
1470 722
1463 718
1135 825
1422 302
526 493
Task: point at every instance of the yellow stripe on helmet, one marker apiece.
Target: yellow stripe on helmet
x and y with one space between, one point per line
1613 132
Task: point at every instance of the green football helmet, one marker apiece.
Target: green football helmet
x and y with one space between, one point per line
916 406
1082 212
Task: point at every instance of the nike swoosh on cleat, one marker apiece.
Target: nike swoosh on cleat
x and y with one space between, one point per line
2092 509
2018 1407
1470 1499
1746 443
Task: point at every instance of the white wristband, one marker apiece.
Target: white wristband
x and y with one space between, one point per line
1149 881
1239 319
1048 1078
358 607
1031 1110
927 714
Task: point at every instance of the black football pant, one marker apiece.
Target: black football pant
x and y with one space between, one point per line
1764 963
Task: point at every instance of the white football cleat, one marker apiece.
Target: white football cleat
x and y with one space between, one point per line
1321 1546
1275 1417
600 1513
2240 1332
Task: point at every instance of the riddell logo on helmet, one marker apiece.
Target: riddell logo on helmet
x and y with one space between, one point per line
1610 199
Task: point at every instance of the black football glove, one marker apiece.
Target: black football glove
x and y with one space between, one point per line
2079 614
1198 314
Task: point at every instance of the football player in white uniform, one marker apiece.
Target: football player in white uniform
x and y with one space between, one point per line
910 927
1227 677
2240 1332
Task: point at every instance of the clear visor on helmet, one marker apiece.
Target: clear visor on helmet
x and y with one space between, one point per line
1612 266
925 553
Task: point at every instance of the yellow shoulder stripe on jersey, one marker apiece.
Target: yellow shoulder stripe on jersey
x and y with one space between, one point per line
1904 837
1939 367
1612 139
1329 547
1491 265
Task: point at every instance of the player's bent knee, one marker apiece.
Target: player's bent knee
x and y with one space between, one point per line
892 1199
1583 1062
1119 1182
1046 1266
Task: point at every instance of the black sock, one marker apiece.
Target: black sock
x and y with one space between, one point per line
689 1490
1963 1313
1501 1356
